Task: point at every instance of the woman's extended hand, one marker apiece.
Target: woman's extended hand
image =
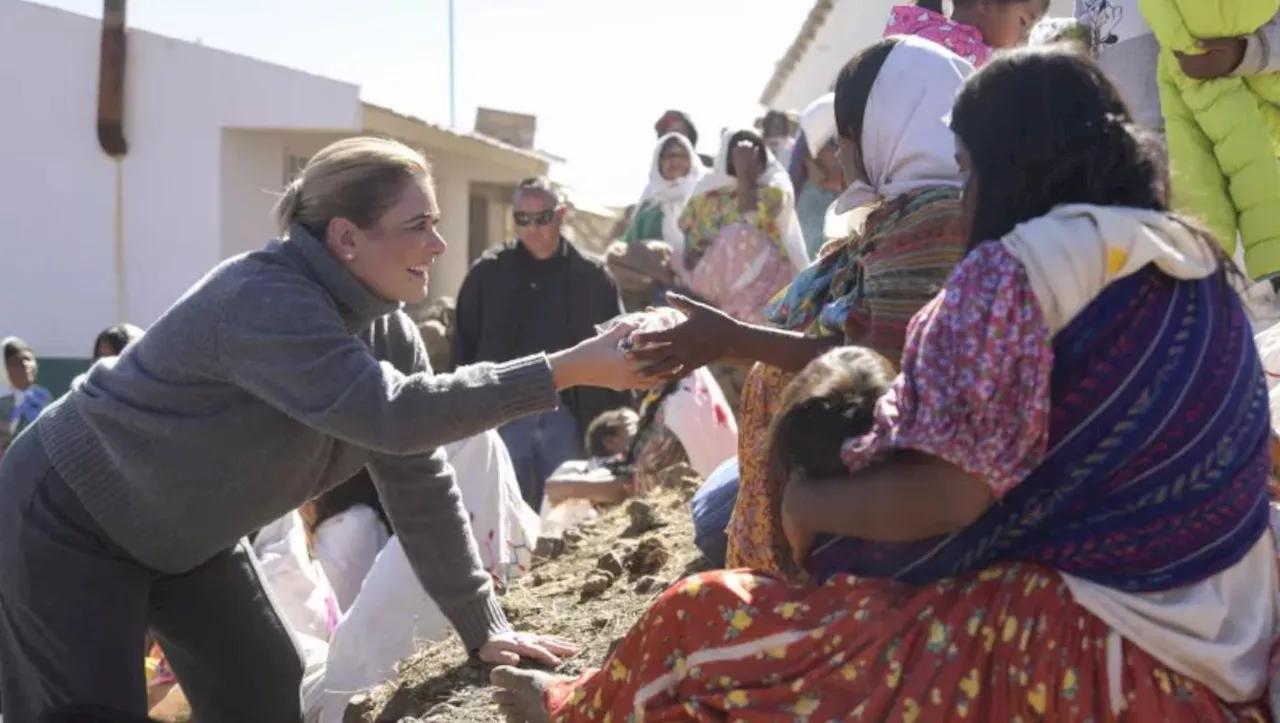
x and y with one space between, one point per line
509 647
599 362
707 336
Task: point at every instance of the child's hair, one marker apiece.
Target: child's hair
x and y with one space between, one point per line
617 422
831 401
117 337
15 347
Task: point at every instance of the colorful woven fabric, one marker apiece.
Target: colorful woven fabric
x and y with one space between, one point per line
1004 644
1152 472
870 286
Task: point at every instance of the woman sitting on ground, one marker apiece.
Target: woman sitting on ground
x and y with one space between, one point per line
890 103
1061 512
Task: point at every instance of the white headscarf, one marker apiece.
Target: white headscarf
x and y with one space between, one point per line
906 140
819 123
671 195
774 175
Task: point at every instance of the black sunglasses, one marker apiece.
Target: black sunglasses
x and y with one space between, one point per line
538 218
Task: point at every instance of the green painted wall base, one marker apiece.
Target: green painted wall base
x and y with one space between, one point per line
56 373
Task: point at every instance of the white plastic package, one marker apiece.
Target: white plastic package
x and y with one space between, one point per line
647 321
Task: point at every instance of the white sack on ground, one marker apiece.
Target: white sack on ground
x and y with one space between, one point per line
301 592
392 616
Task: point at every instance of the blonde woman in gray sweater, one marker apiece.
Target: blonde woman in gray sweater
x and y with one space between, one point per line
277 376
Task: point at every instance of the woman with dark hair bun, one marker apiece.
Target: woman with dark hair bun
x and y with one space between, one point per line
1060 512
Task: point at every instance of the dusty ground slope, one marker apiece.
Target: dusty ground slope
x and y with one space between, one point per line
438 684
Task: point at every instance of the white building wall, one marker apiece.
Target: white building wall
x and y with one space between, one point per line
253 172
59 192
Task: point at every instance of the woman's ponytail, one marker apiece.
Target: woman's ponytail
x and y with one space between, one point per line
285 211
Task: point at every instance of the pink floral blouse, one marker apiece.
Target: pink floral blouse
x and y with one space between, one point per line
974 387
963 40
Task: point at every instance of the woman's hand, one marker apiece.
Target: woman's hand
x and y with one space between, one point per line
1220 58
509 647
599 362
707 336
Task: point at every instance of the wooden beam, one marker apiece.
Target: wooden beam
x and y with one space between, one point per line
111 77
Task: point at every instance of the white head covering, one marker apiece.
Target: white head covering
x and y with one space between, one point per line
774 175
672 195
819 122
906 141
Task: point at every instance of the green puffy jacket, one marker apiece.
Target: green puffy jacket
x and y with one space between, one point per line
1223 134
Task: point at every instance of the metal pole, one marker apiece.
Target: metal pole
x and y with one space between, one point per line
453 94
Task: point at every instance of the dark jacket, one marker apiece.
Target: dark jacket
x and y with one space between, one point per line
511 304
359 490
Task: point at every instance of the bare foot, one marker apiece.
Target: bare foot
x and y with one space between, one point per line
519 693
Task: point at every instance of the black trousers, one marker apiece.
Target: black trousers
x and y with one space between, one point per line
75 607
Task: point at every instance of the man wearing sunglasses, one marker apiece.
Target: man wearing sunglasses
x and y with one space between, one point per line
537 293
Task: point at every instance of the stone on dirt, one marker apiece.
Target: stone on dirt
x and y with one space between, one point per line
611 562
648 558
596 583
549 548
643 518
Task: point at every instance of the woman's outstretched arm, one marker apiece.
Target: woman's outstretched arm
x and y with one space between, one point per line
709 336
789 351
282 342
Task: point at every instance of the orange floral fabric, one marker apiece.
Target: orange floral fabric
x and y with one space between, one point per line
1005 644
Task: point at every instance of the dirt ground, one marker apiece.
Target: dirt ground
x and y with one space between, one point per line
592 593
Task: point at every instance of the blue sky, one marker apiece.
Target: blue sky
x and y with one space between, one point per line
597 73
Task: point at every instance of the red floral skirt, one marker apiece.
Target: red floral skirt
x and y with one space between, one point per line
1006 644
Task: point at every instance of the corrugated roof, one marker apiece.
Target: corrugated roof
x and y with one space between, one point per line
812 24
469 135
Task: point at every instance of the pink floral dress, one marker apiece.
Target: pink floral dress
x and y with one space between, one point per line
963 40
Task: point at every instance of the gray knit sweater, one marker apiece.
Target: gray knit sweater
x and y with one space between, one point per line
276 377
